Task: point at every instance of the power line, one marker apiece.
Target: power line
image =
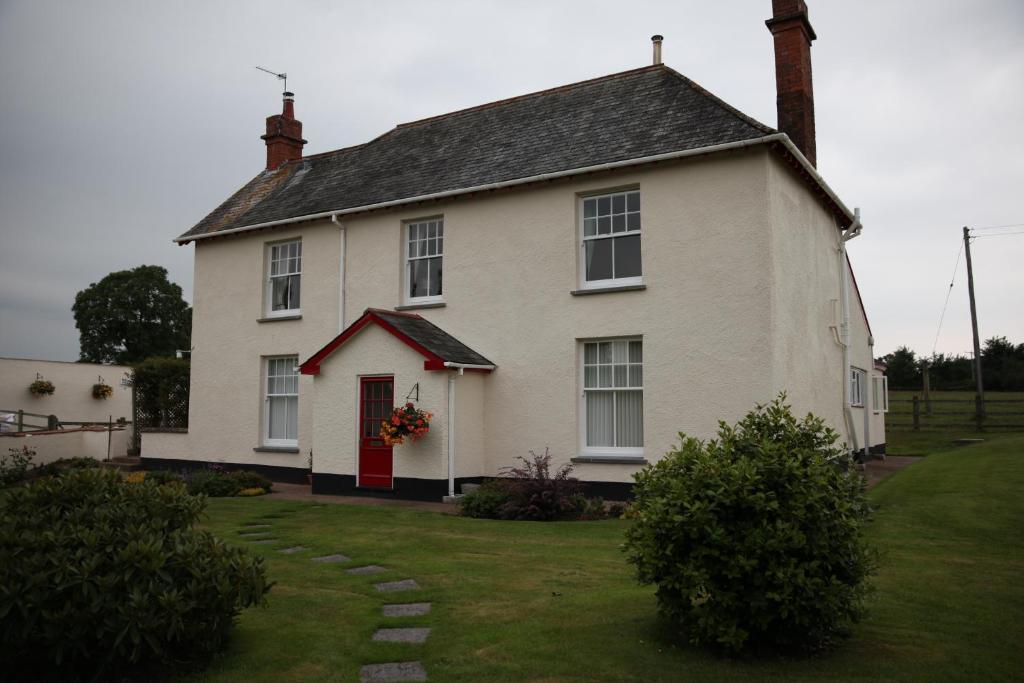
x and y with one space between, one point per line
1001 234
949 291
996 227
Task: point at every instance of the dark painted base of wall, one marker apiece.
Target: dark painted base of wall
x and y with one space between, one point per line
405 488
436 489
877 449
287 475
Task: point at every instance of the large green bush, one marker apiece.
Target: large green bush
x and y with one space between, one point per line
754 539
101 580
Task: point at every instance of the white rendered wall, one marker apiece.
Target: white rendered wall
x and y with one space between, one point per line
735 308
72 398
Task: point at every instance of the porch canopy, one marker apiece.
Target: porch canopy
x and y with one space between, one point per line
440 350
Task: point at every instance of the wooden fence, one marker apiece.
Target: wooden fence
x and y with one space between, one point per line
918 414
23 421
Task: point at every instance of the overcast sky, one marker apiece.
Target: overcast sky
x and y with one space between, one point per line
124 123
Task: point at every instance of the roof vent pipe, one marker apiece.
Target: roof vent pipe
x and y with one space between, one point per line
656 40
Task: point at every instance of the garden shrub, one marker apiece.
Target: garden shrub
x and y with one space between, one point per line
15 465
254 491
251 480
532 492
754 539
101 580
486 501
161 477
135 477
212 482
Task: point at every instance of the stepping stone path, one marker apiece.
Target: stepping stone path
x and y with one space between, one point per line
331 559
389 672
410 609
394 586
401 635
393 672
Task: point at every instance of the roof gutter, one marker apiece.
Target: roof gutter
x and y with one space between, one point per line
778 138
467 366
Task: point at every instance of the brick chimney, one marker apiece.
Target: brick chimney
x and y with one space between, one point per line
794 92
284 135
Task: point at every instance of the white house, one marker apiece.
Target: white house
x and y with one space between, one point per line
592 268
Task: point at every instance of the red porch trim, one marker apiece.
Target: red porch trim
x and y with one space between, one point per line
312 365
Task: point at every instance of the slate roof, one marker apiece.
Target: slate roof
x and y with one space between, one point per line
629 115
432 338
424 336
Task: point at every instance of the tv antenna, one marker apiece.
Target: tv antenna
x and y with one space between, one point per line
280 76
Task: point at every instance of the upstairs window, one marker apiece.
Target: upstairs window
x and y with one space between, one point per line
856 387
284 278
613 397
424 260
281 402
611 239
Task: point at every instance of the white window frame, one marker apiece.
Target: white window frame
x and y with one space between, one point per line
268 295
408 260
582 239
265 390
880 397
602 451
857 377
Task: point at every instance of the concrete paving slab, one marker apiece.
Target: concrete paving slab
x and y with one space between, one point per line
392 672
368 569
330 559
401 635
409 609
394 586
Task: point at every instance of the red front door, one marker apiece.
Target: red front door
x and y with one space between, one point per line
376 400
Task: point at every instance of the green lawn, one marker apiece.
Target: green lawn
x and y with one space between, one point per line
518 601
952 417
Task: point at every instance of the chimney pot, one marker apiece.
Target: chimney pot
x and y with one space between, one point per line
656 41
794 98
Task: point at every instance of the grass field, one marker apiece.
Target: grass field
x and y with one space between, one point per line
952 417
555 602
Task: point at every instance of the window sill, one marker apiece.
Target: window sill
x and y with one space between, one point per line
610 459
276 449
426 304
607 290
279 318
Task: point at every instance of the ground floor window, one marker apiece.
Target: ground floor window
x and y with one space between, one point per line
880 400
281 401
613 396
857 386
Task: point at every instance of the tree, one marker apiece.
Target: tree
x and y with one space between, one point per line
131 315
903 369
1002 364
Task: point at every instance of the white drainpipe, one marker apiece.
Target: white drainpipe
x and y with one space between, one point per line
844 327
451 433
869 397
341 273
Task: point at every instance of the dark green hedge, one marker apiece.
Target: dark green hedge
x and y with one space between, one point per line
101 580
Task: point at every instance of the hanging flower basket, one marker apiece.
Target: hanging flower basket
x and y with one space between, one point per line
41 387
407 422
102 391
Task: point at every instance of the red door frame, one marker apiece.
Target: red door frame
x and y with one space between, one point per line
376 461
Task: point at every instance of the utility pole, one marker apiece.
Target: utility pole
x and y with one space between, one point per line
980 395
